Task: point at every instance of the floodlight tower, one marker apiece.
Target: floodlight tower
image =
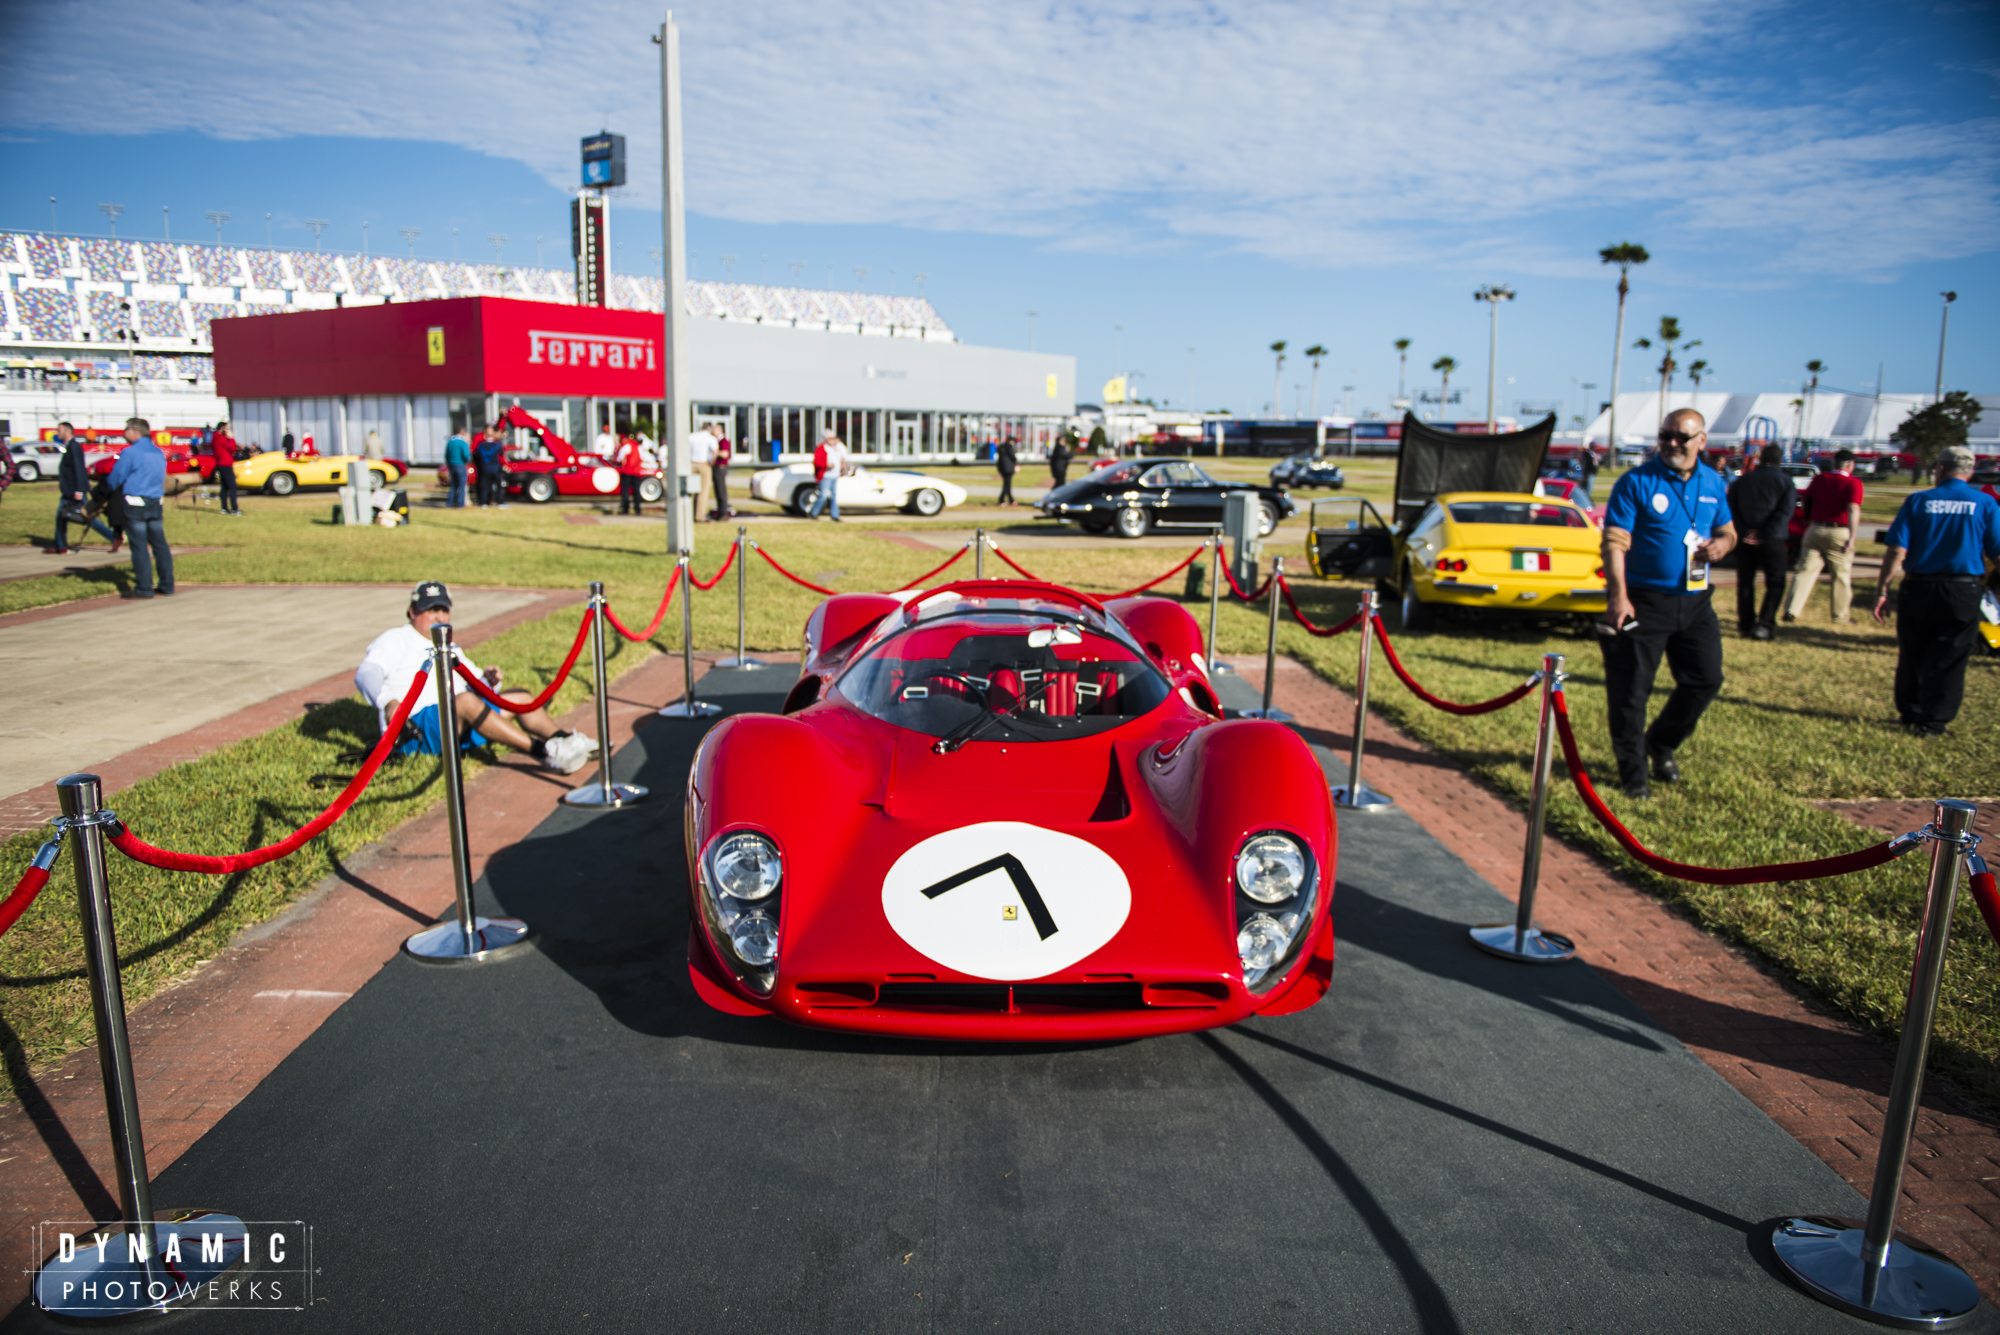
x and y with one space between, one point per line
318 225
1493 294
216 219
112 211
410 235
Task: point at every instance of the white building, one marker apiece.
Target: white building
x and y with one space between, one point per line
1856 421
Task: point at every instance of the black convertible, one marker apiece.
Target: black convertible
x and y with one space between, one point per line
1134 497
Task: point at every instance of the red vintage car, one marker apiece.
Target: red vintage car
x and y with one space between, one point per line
547 466
1003 810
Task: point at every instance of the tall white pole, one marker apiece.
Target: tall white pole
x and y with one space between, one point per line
1492 359
674 427
1944 327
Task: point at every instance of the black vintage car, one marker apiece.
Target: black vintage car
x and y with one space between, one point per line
1303 470
1139 495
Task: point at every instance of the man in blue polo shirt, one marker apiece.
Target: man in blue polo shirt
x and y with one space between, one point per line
1945 536
140 476
1668 519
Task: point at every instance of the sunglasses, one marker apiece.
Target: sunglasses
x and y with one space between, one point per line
1678 437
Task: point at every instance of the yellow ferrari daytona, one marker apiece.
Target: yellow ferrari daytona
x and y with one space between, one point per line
281 474
1500 551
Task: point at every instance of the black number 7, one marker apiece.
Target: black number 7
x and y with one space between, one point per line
1038 912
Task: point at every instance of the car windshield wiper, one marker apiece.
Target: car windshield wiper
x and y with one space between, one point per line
965 732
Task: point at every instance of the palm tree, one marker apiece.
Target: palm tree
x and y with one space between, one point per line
1278 377
1697 369
1625 254
1444 366
1315 352
1402 361
1815 366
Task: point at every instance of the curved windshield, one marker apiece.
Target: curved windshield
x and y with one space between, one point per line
1006 677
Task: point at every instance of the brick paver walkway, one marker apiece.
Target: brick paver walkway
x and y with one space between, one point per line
1817 1076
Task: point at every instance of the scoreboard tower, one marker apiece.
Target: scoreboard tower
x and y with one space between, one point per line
590 219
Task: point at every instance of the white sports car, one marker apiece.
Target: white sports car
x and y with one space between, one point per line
792 486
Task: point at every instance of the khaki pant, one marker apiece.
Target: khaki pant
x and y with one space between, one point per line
1824 544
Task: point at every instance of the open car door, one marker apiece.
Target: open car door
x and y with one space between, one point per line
1347 538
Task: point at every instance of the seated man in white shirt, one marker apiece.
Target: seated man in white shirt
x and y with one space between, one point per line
396 656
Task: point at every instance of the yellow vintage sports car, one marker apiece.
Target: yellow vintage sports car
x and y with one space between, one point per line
1468 532
281 474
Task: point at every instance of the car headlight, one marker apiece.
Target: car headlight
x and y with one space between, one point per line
747 866
742 876
1270 869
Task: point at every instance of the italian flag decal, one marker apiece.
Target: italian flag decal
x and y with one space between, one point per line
1531 560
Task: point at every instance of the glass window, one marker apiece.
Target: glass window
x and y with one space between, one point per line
983 675
1518 512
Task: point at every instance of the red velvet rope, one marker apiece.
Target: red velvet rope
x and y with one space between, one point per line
24 894
956 557
1024 574
727 562
132 846
1161 580
487 693
1483 707
659 616
1285 587
1859 860
1984 893
1237 589
804 583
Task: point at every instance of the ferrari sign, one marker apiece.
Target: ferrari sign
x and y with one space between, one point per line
590 350
1006 900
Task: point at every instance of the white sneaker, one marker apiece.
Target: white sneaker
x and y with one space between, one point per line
589 742
565 755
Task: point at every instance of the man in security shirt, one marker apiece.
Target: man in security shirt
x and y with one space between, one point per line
1945 535
1668 519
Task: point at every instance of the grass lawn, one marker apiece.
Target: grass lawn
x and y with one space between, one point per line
1803 718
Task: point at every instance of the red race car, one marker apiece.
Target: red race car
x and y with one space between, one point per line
546 466
1004 810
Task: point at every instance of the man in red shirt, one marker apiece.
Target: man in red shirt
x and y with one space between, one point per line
223 447
632 470
1833 520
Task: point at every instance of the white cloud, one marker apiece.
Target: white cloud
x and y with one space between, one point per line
1372 132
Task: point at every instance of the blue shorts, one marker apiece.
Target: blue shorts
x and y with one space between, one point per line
420 735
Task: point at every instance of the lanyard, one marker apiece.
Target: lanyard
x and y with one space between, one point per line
1683 504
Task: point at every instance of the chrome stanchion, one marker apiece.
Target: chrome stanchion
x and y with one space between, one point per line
469 938
687 706
1522 940
979 553
1271 652
1355 795
126 1277
602 793
1214 601
1869 1270
742 662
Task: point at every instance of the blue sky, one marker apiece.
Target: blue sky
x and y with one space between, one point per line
1209 176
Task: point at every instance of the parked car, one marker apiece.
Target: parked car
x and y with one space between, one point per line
1303 470
35 459
280 474
547 466
1029 820
1144 494
792 486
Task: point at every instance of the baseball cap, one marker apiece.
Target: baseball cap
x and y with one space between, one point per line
1957 457
430 594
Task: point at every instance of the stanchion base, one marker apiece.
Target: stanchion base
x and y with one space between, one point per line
445 943
1920 1288
60 1286
1221 670
691 709
1535 946
1363 798
742 664
1269 715
597 795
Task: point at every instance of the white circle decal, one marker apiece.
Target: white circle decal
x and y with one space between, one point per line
1005 900
1659 502
604 479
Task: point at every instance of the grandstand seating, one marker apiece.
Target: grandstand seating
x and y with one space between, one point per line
107 261
65 285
